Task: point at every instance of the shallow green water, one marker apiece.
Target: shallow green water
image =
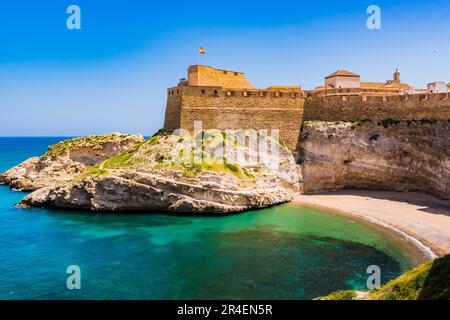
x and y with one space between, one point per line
277 253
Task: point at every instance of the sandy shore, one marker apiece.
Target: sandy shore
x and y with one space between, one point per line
423 219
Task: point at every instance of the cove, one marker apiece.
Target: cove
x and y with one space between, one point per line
283 252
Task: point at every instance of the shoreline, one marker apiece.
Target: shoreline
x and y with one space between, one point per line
420 219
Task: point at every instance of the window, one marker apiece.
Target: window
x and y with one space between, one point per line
215 91
235 73
203 91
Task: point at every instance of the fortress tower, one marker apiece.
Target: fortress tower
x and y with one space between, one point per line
210 77
224 99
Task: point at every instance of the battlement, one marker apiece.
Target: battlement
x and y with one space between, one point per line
434 97
226 108
352 108
218 91
206 76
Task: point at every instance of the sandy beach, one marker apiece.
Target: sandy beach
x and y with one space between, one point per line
421 218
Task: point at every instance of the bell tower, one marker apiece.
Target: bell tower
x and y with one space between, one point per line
396 76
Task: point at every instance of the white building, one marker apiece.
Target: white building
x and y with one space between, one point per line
437 87
342 79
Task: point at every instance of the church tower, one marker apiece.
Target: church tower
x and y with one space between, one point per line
396 76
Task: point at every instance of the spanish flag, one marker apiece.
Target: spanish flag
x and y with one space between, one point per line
202 51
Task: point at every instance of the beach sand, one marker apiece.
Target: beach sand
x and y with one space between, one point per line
423 219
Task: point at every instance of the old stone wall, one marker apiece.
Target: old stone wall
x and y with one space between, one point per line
223 109
207 76
172 117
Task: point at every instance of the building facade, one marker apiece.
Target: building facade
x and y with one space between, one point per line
343 82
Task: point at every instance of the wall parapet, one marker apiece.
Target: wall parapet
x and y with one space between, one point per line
403 107
211 91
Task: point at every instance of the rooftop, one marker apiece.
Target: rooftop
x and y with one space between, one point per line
342 73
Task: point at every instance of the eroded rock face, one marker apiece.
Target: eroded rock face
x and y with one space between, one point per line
66 159
213 174
388 155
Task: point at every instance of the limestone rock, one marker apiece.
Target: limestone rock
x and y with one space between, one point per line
386 155
181 174
65 160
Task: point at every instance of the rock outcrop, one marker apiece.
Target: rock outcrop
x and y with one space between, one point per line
211 172
429 281
387 155
67 159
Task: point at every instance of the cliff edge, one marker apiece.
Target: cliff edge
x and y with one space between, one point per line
66 159
212 172
377 155
429 281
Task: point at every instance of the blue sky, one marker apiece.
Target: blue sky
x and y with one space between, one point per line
112 74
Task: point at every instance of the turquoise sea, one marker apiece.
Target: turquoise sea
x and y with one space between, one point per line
285 252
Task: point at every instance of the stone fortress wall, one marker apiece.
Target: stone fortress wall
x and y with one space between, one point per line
207 76
376 108
223 100
226 100
224 109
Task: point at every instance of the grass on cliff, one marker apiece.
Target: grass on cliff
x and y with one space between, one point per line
93 142
152 154
429 281
193 169
341 295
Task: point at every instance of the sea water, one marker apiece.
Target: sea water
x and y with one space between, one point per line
284 252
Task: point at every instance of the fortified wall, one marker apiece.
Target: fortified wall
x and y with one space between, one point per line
352 108
221 105
224 100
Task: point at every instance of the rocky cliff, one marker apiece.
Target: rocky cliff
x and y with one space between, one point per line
212 171
389 155
66 159
429 281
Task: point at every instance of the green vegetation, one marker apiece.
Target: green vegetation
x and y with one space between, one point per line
233 167
176 153
93 142
210 164
121 160
341 295
96 171
153 140
429 281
